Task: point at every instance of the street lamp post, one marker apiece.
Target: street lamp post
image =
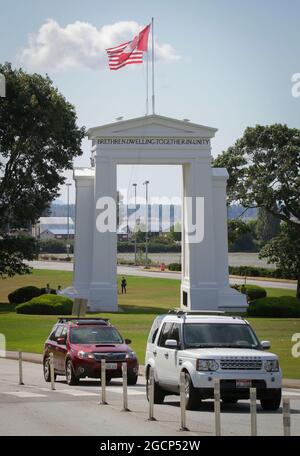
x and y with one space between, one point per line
146 183
68 218
135 246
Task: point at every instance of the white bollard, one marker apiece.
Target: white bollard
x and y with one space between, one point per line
151 395
286 417
183 402
217 406
103 382
125 390
52 377
253 411
20 369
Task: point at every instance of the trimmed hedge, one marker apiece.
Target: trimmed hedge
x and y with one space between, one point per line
23 294
47 304
252 291
174 267
255 271
279 307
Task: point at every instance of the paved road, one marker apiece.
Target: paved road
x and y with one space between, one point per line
33 409
138 271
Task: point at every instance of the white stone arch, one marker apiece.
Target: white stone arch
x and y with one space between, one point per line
163 141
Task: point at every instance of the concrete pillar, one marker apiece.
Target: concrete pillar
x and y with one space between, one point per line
103 286
228 298
220 176
198 289
84 231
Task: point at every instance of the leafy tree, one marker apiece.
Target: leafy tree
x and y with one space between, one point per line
39 139
267 226
284 251
264 171
236 228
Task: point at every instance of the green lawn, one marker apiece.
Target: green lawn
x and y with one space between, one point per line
146 298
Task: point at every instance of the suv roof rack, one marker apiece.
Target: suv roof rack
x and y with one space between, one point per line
84 321
181 313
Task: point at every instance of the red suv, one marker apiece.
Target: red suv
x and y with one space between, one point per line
78 346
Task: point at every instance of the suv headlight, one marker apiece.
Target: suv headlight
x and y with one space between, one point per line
207 365
272 365
85 355
131 355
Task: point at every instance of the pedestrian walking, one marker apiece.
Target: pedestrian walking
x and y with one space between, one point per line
123 285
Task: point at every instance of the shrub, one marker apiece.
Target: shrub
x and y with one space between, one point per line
23 294
279 307
252 291
47 304
174 267
255 271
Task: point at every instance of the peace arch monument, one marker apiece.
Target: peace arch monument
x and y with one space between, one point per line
155 140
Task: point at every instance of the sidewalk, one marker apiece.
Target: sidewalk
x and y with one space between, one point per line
37 358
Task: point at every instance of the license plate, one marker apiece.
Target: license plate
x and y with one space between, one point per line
243 383
111 366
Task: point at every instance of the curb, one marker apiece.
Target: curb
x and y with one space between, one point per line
37 358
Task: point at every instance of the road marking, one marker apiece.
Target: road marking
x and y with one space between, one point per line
74 392
292 393
24 394
131 391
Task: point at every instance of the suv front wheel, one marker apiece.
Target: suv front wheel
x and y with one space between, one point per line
192 397
70 374
159 394
272 403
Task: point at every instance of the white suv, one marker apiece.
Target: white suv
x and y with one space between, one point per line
208 346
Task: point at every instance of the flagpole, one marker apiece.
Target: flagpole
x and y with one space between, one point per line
153 96
147 83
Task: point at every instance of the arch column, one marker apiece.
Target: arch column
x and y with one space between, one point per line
83 248
103 286
198 288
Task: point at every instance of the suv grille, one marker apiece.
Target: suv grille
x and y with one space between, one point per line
110 357
241 363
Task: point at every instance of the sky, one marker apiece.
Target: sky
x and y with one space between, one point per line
227 64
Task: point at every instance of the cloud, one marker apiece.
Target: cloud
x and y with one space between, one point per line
82 45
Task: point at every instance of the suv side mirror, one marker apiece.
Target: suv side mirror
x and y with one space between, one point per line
128 341
265 344
61 341
171 343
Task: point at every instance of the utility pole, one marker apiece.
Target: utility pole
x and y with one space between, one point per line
146 183
68 223
135 249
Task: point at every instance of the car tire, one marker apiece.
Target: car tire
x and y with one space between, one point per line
132 380
272 403
159 394
229 400
46 368
192 397
70 374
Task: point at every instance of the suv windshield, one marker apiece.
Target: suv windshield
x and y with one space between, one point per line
95 335
197 335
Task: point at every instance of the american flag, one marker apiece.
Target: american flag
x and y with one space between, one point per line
129 52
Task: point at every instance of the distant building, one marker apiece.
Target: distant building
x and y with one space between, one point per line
54 228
